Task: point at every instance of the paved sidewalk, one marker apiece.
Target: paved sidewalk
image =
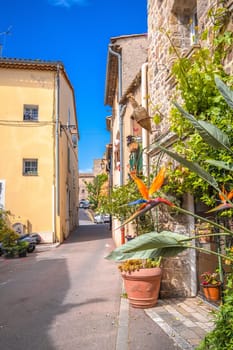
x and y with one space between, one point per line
185 321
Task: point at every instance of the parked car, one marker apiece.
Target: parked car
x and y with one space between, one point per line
81 203
31 240
98 219
24 238
84 204
106 218
36 237
101 218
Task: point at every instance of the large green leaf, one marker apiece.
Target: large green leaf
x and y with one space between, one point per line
225 91
220 164
154 240
145 254
209 132
149 245
167 252
195 167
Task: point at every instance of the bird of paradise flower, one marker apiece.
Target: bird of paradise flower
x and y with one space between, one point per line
225 198
147 202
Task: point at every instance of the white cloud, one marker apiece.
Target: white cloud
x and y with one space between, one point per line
67 3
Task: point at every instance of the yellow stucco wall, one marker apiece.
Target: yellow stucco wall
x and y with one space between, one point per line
27 196
33 198
68 174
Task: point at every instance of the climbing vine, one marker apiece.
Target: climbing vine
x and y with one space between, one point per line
200 97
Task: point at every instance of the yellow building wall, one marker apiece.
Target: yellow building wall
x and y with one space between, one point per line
29 197
68 168
35 201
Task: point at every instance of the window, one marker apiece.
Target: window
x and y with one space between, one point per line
193 28
30 113
30 167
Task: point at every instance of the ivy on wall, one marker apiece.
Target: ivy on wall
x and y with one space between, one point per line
200 97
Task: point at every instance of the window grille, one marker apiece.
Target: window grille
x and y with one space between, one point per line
30 113
30 167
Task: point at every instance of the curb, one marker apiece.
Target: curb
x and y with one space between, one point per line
122 334
46 246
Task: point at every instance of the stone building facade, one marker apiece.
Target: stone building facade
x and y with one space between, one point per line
126 56
99 167
176 23
84 177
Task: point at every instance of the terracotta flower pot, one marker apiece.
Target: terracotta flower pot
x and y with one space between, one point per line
212 292
142 287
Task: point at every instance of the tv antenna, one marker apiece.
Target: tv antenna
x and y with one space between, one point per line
4 34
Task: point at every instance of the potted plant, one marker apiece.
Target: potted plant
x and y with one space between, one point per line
142 278
211 285
141 274
132 143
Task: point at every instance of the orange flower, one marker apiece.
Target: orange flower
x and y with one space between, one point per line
147 201
224 203
155 186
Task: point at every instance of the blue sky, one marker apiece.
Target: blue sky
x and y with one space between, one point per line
76 32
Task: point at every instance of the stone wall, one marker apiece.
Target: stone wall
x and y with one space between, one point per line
84 177
169 27
134 54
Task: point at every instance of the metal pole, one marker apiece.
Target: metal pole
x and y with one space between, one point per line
120 114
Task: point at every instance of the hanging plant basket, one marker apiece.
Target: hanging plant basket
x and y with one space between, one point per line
133 146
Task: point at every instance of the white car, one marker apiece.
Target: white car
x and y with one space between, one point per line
101 218
106 217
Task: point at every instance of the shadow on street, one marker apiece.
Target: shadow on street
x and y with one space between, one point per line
63 298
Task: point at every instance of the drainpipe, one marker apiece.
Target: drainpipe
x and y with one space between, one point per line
120 113
57 174
192 252
144 103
